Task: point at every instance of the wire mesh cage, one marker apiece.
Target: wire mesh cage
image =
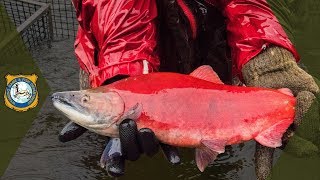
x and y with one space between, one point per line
32 21
63 18
36 21
5 24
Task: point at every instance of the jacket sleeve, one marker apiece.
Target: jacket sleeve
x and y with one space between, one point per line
116 37
251 27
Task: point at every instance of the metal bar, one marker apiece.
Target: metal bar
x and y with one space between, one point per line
33 2
27 30
34 15
13 14
66 11
50 24
38 14
61 28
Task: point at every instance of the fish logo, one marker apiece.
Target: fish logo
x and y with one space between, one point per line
21 92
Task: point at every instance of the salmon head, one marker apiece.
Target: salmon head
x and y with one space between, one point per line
96 111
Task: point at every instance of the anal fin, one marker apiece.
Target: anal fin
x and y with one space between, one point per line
208 152
272 137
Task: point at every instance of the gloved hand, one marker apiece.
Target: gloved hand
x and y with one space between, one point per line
130 144
276 68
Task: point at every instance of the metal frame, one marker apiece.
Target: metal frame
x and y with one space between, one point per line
65 24
45 8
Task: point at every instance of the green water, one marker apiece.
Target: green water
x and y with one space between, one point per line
301 20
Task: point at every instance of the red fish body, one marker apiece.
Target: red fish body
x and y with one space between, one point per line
195 110
186 111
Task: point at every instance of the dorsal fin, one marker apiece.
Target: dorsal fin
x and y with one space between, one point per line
205 72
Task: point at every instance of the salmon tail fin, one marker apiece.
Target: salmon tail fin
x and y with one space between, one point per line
205 72
272 137
208 152
286 91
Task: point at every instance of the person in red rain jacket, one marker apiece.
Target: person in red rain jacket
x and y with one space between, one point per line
238 38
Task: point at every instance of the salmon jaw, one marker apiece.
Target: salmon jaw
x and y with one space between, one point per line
98 112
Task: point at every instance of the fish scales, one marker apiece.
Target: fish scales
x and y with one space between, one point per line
195 110
208 112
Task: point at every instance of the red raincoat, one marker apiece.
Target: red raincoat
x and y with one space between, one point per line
115 36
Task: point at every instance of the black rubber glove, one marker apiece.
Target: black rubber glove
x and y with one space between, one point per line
71 131
130 145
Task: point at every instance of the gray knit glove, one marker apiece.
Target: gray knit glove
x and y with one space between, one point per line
276 68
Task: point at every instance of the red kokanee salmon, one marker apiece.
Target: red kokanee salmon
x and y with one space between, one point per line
195 110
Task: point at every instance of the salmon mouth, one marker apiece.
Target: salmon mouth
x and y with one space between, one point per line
61 100
98 112
67 100
68 104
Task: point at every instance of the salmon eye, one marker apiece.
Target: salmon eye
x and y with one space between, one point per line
85 99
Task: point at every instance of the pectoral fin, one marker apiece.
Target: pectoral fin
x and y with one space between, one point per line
133 113
208 152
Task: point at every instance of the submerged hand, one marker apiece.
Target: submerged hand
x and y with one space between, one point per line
130 145
276 68
71 131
